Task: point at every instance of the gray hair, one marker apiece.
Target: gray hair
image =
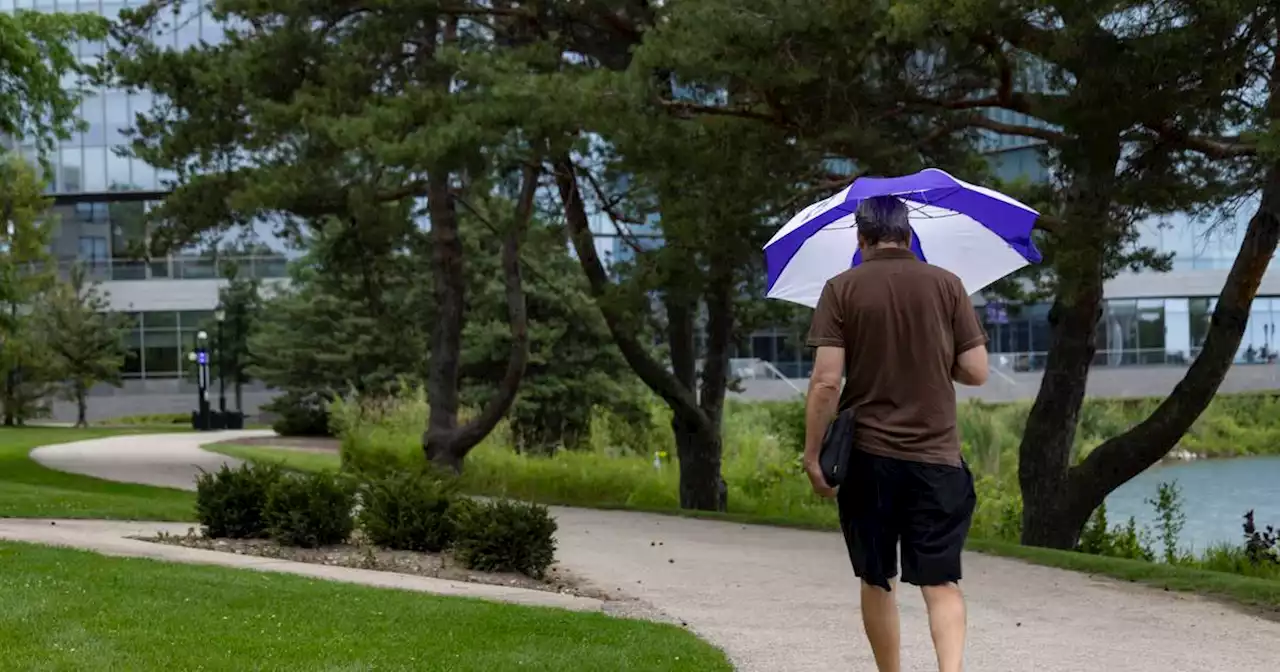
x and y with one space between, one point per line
883 219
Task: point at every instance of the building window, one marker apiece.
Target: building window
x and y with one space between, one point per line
133 361
1151 336
93 252
1200 313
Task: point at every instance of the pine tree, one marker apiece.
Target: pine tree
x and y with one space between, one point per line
85 337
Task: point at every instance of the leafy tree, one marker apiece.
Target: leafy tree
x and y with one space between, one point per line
37 56
384 125
85 337
37 53
26 273
680 112
935 72
351 320
1163 146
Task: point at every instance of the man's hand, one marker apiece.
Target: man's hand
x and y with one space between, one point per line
818 481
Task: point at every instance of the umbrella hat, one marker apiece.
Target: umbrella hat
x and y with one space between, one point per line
977 233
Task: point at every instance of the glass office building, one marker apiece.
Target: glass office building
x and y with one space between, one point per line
101 200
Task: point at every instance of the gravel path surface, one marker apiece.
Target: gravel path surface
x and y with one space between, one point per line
781 600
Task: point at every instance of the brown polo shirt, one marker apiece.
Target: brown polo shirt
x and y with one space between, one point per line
901 323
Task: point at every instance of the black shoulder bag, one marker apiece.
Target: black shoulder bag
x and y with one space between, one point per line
837 448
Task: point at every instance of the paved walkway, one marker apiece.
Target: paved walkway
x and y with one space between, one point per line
781 600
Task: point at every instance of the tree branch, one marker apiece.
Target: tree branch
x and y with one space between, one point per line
656 376
608 205
688 110
1048 135
472 433
1212 147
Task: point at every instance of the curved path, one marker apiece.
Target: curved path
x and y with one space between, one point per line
780 600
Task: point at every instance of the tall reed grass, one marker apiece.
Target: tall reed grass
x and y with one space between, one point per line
631 465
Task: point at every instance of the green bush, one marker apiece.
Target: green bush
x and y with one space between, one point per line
787 422
299 414
504 536
1122 541
230 502
999 512
381 436
1170 518
408 511
310 510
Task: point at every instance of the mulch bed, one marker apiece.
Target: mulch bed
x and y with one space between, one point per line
364 556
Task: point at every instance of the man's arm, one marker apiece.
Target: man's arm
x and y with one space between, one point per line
971 366
820 406
827 335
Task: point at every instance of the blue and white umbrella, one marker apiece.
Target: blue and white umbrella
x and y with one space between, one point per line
979 234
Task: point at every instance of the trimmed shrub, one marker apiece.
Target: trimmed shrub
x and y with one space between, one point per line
310 510
230 502
408 511
300 414
503 536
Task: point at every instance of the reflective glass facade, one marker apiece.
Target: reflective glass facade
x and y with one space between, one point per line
160 340
84 162
102 199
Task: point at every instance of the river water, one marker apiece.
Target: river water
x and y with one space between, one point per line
1216 494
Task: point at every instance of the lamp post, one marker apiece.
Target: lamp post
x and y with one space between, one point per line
202 379
220 315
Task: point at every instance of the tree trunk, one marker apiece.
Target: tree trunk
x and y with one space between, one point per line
1045 452
445 443
449 285
720 297
10 398
238 391
697 433
698 448
697 438
82 406
1049 516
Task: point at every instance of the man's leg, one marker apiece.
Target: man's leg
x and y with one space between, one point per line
880 620
946 623
870 531
936 524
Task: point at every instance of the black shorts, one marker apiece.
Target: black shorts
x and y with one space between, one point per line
925 507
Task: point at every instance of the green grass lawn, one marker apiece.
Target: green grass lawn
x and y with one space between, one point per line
1258 593
28 490
73 610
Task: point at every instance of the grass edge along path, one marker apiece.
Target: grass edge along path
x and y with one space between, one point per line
1259 595
28 489
183 617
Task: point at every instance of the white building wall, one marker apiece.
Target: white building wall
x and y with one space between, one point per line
157 294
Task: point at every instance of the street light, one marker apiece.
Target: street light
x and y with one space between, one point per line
202 372
220 315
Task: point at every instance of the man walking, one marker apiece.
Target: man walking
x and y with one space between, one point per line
899 331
